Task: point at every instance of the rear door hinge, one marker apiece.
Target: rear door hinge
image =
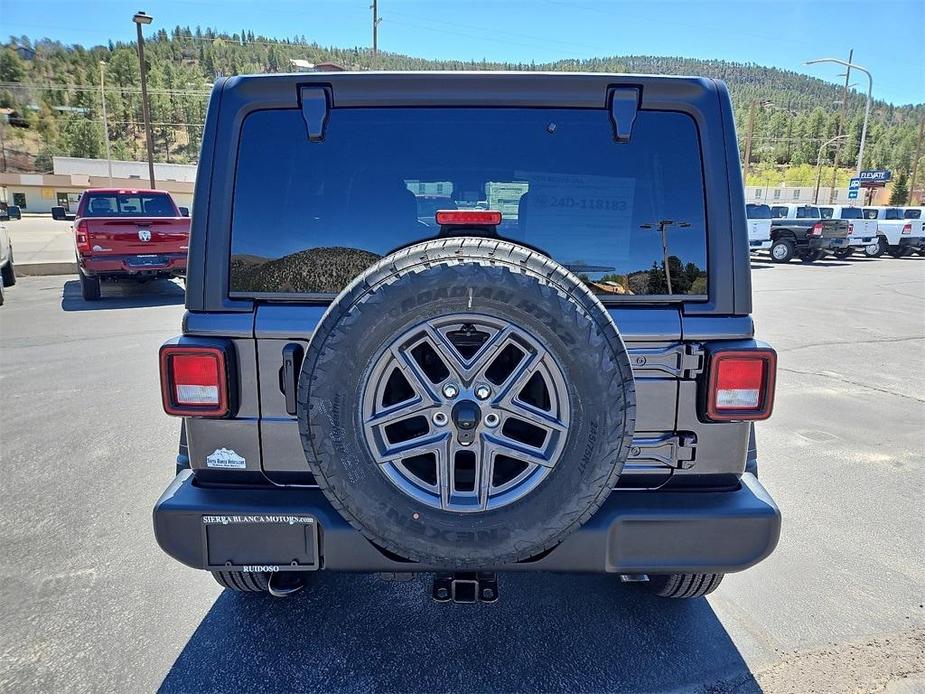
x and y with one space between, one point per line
680 361
670 450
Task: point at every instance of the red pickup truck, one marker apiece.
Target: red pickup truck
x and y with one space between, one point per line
128 234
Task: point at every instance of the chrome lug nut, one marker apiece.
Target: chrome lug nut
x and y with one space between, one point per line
482 392
450 390
492 420
440 419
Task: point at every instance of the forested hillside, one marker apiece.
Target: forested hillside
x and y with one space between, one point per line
53 91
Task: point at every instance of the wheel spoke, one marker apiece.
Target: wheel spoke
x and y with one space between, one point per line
422 445
402 411
495 444
415 375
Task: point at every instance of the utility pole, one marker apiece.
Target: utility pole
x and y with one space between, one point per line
915 161
662 228
748 138
375 8
139 19
105 119
819 165
844 109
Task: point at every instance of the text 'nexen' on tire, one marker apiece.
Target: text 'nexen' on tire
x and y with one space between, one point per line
466 402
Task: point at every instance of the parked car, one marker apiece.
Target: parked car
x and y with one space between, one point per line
14 212
917 214
7 269
361 392
862 233
801 231
128 234
899 235
759 226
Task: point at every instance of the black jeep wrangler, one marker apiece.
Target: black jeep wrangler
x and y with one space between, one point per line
553 369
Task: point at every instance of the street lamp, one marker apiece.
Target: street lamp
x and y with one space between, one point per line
819 164
870 89
139 19
105 120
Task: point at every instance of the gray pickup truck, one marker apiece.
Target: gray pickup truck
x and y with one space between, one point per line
567 381
804 232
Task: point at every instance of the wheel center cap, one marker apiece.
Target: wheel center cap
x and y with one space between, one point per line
466 415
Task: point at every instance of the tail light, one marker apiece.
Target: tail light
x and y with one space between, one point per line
816 230
82 236
194 381
740 384
907 228
468 217
850 228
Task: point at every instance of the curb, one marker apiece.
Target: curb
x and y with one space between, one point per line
66 267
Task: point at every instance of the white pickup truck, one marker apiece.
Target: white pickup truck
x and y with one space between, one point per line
759 227
862 233
898 233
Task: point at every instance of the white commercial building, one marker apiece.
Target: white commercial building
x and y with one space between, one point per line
72 176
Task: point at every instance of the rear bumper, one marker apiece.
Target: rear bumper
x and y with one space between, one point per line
133 265
916 242
827 244
633 532
759 245
862 241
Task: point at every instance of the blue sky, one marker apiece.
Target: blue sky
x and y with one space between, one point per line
886 34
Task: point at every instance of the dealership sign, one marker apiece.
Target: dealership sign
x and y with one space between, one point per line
875 177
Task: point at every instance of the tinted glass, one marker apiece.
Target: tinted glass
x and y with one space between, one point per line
894 213
807 212
128 205
851 213
758 211
308 217
779 212
826 212
912 214
870 213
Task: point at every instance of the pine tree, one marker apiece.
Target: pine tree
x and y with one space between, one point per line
900 190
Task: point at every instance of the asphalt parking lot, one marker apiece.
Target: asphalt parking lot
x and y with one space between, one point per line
90 602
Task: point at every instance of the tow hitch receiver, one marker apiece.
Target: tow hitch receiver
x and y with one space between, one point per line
466 587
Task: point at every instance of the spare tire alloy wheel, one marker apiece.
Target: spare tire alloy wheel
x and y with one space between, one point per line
497 406
466 403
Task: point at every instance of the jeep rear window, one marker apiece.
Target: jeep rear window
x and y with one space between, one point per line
309 216
128 205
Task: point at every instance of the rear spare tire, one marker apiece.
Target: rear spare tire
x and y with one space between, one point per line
466 403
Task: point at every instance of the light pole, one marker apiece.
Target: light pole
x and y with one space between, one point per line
870 89
105 120
819 164
139 19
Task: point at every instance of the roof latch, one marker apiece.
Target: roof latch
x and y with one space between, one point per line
624 103
316 107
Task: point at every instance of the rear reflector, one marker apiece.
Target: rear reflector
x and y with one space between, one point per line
194 381
468 217
741 384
